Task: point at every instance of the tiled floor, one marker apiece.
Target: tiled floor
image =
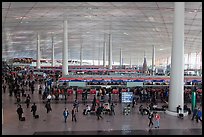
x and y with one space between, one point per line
53 122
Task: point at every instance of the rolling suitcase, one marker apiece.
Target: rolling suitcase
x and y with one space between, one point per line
36 116
180 116
23 119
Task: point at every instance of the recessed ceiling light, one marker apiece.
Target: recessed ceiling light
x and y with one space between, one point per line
195 10
125 33
161 49
20 37
151 19
19 18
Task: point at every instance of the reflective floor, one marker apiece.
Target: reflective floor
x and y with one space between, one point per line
53 122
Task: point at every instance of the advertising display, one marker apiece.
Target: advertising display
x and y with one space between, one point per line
127 97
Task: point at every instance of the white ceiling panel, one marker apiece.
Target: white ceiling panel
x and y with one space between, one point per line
135 26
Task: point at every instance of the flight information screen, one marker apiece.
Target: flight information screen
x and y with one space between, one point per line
127 97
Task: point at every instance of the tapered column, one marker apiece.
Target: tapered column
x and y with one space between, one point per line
110 51
196 61
65 51
38 52
53 53
130 62
121 61
177 61
104 52
201 60
188 61
81 52
153 60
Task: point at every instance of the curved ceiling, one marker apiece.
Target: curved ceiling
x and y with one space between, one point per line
135 27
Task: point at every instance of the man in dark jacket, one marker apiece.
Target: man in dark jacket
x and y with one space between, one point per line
195 110
48 106
98 112
150 117
20 112
33 109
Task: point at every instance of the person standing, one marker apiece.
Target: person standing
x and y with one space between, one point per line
34 109
157 118
74 111
65 114
19 112
4 88
150 117
94 101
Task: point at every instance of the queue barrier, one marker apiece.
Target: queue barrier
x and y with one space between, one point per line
93 91
115 91
69 91
79 91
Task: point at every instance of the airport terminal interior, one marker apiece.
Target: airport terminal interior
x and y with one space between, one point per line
101 68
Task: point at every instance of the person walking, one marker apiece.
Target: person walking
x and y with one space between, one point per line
48 106
76 105
74 111
98 112
28 100
34 109
40 89
19 112
112 109
157 119
195 110
199 115
65 114
150 117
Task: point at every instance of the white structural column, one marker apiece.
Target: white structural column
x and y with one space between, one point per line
121 57
104 52
188 61
177 61
38 52
110 52
53 52
81 52
201 60
65 51
130 62
153 60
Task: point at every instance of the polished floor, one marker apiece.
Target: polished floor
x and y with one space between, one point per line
119 124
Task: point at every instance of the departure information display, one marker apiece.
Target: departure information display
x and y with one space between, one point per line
127 97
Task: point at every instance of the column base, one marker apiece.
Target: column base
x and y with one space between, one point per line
175 113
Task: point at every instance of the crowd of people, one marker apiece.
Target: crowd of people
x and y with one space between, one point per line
21 87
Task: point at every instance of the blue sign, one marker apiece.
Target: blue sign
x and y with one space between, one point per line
127 97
